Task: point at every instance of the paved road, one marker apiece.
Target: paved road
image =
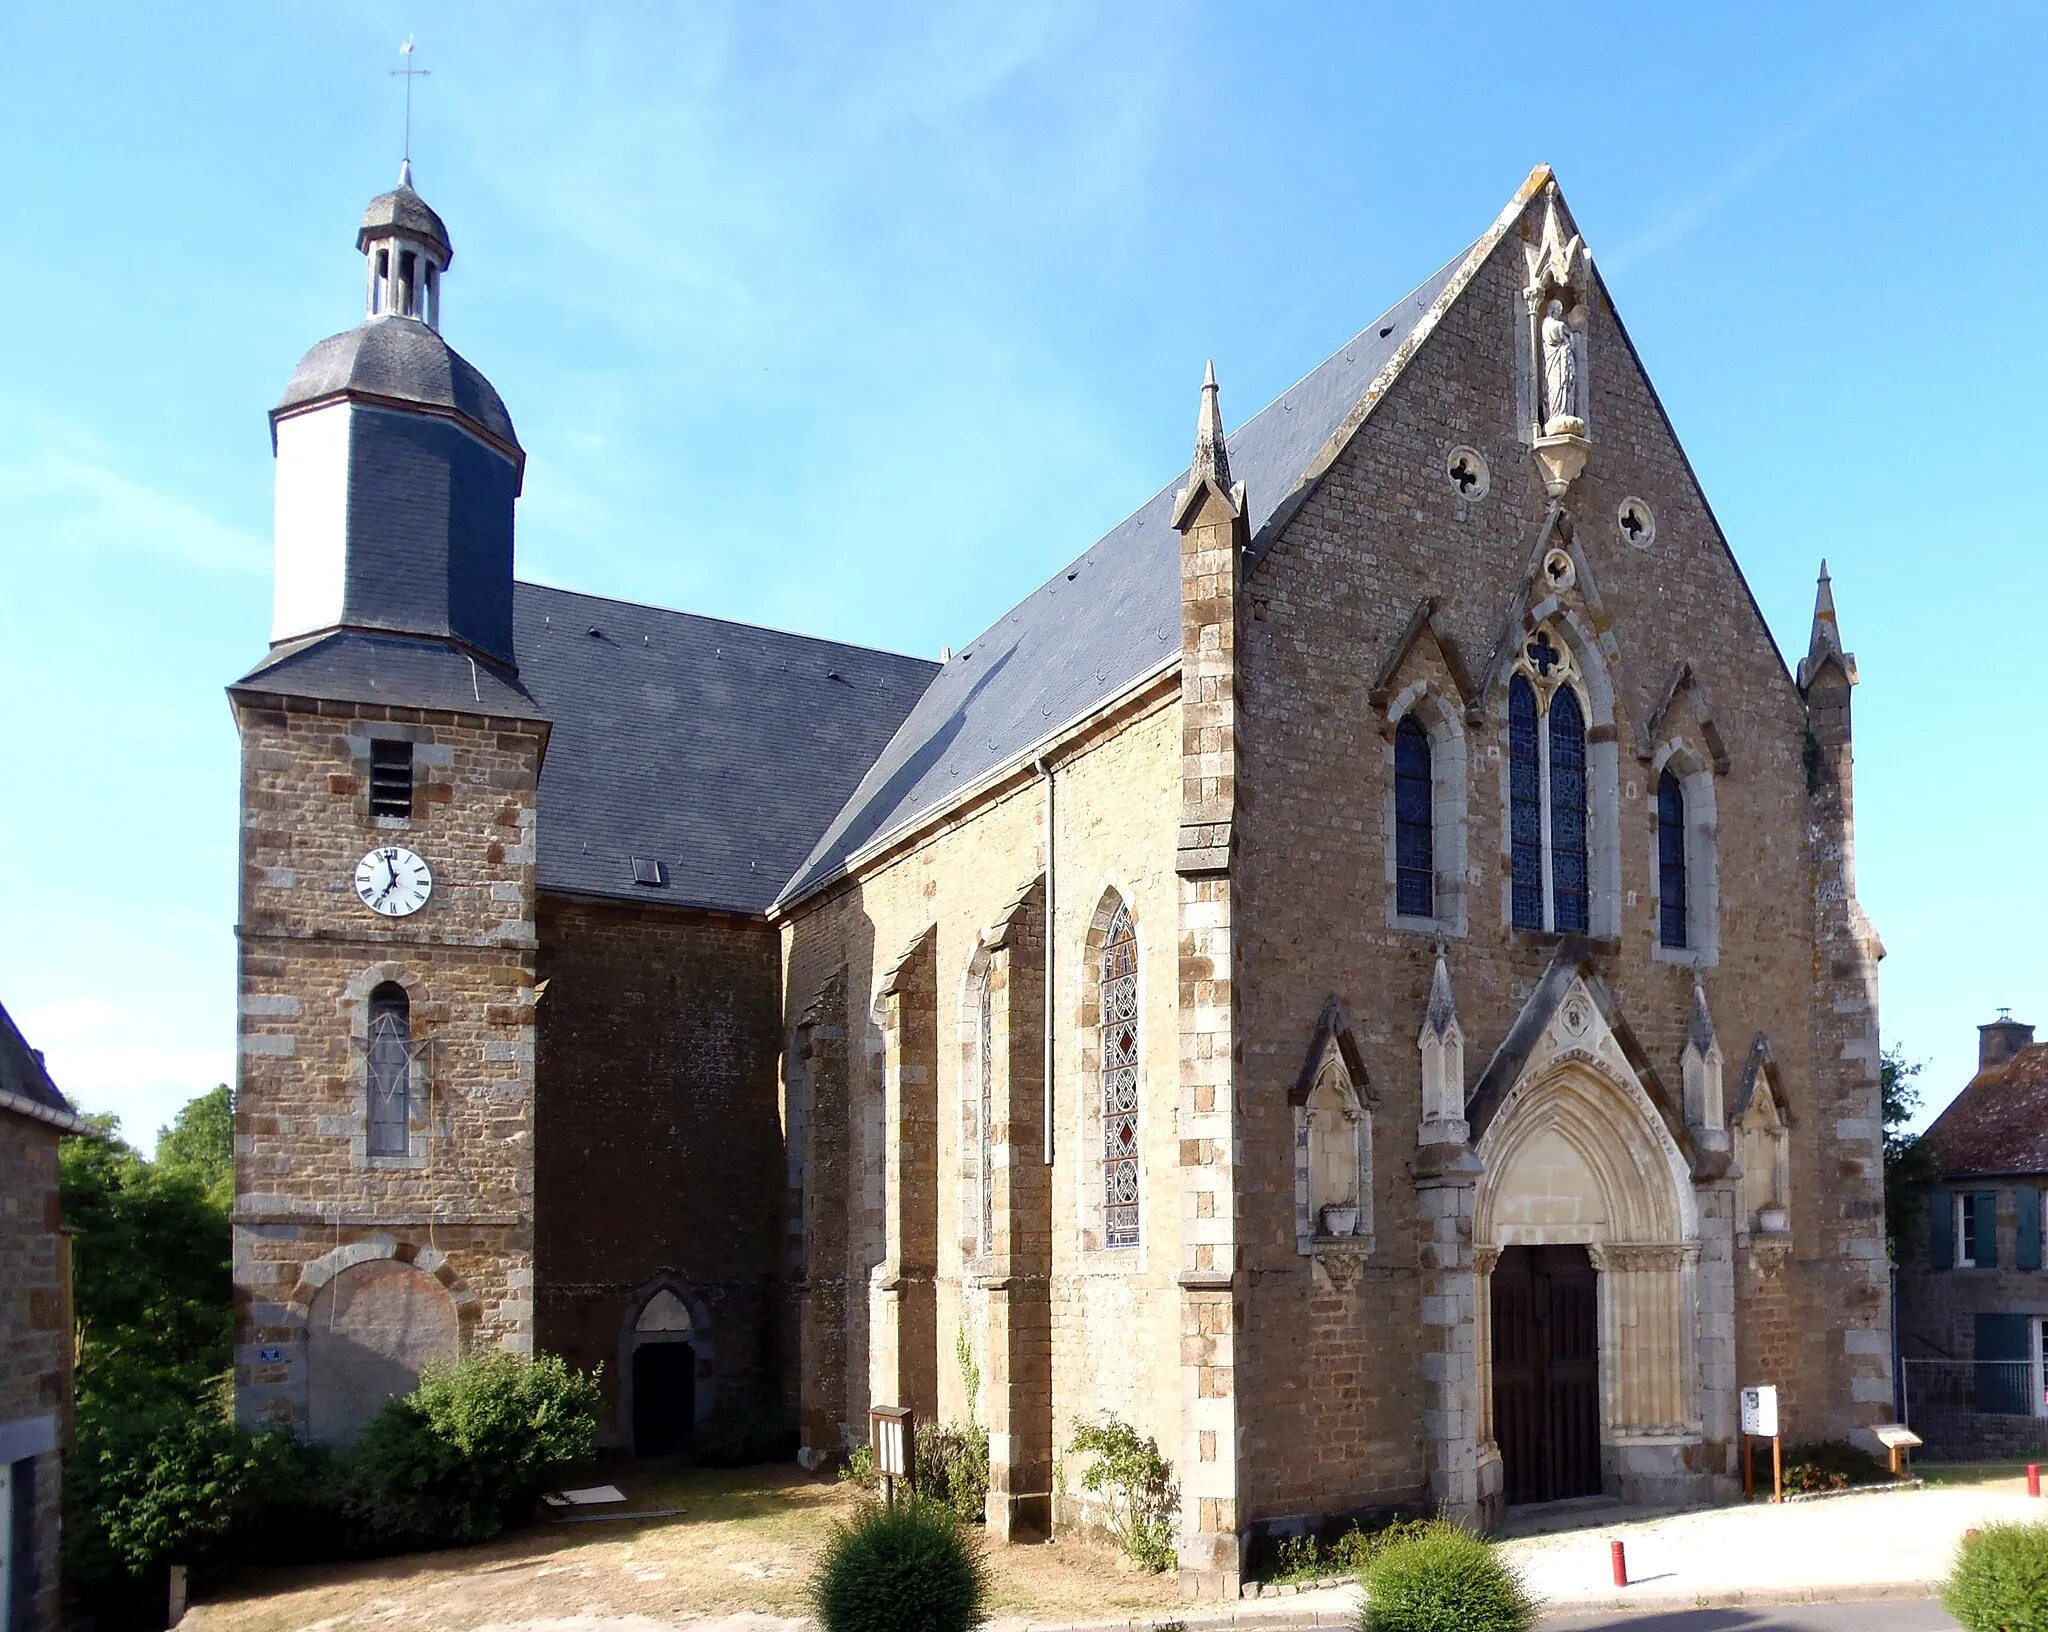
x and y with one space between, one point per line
1896 1615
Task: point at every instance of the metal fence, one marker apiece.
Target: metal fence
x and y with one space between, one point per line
1974 1410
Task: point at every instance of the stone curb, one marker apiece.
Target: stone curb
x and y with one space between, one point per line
1286 1618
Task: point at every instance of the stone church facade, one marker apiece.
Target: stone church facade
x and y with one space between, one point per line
1358 976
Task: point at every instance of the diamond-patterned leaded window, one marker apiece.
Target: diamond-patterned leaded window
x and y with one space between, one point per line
1414 822
1120 1082
390 1070
985 1163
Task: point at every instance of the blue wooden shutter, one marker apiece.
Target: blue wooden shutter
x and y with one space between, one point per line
2027 1205
1941 1231
2002 1373
1986 1203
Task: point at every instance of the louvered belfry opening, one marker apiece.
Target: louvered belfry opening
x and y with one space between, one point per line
391 779
1546 1373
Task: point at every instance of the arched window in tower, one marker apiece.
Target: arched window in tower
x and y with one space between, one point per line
1414 822
1525 803
1120 1226
1671 903
1568 878
390 1071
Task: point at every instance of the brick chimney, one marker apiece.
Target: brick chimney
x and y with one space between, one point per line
2001 1040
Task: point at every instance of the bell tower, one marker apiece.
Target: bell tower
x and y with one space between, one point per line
389 807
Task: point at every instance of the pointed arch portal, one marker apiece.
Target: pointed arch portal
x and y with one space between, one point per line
1586 1243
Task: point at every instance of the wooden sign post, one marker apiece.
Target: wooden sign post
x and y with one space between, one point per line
892 1431
1897 1439
1760 1421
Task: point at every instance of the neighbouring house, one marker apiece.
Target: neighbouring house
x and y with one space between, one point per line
1358 975
35 1332
1973 1292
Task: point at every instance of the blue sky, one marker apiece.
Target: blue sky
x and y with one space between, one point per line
862 320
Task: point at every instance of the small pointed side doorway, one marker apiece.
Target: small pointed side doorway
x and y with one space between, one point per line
664 1378
1546 1373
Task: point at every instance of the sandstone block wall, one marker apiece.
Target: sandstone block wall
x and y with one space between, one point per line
1332 1379
311 1203
658 1139
1115 1316
35 1347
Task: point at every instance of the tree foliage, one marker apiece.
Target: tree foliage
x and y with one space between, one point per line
200 1145
1140 1499
1909 1160
152 1285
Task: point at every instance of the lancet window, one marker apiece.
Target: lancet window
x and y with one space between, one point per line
986 1071
1414 821
1550 873
390 1071
1672 923
1120 1223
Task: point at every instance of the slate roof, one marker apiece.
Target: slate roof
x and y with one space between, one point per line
1093 630
1999 1122
403 671
403 359
719 749
405 210
25 1084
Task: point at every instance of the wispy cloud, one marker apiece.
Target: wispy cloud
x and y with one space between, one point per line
63 489
1683 217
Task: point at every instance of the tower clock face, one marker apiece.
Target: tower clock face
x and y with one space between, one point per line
393 881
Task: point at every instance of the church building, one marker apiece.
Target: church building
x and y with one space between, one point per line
1358 976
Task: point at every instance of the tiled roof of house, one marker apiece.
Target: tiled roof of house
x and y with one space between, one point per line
1999 1122
25 1085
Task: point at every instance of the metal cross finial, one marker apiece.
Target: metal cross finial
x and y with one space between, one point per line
409 73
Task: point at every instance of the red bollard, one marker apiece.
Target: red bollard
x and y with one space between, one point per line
2033 1478
1620 1563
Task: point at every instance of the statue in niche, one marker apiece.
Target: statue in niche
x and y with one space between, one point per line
1564 414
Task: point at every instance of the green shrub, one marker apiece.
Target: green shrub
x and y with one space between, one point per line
908 1567
860 1468
1999 1582
1140 1499
952 1467
470 1450
1439 1578
744 1436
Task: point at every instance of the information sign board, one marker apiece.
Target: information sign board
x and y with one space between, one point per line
1760 1411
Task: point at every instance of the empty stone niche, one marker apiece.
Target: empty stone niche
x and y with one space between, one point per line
371 1332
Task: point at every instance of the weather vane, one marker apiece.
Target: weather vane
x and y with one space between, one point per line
409 73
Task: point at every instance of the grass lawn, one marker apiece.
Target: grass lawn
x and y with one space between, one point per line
745 1542
1991 1475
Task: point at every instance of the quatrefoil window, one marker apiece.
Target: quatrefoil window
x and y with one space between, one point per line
1467 470
1637 521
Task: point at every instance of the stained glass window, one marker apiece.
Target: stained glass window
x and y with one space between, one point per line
1568 810
1120 1082
1525 804
1414 822
1670 861
390 1070
984 1158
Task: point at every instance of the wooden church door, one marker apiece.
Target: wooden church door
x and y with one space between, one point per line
1546 1373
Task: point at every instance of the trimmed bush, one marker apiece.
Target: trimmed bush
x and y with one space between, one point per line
1999 1582
910 1567
470 1450
1439 1578
744 1436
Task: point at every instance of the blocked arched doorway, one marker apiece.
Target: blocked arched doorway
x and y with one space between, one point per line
667 1373
1586 1243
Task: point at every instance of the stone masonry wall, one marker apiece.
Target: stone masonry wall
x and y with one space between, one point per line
1329 1368
35 1334
658 1144
1115 1315
310 1202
